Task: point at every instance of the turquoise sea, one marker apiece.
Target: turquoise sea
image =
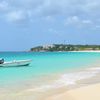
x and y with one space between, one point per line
44 64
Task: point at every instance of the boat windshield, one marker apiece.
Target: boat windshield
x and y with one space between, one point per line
2 61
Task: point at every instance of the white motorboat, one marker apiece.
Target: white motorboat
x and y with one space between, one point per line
16 63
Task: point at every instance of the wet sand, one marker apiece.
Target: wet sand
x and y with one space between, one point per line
88 92
87 89
91 92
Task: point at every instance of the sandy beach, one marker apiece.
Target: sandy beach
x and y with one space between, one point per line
91 92
86 89
87 51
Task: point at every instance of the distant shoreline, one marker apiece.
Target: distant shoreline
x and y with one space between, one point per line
66 51
85 51
55 51
66 48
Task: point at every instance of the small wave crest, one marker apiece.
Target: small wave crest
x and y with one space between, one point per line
69 79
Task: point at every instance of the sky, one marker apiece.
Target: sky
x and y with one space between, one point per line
28 23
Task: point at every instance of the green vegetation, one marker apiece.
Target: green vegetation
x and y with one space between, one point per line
65 47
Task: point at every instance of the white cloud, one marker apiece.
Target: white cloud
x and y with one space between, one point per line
78 22
56 32
68 7
92 6
87 22
72 19
3 5
49 19
15 16
97 27
18 10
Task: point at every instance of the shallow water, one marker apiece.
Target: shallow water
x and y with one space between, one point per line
44 65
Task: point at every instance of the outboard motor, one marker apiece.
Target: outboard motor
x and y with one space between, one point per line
1 61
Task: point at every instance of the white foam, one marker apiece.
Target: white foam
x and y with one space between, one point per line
94 68
69 79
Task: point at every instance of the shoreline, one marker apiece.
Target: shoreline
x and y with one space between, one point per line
86 51
60 89
65 92
68 51
90 92
58 86
85 89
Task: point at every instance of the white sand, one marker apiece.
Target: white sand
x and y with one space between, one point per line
86 51
91 92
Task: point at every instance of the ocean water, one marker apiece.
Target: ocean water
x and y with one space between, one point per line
46 64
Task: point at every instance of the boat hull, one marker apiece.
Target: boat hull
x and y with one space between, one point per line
16 63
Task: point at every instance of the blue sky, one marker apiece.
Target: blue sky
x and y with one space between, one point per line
28 23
